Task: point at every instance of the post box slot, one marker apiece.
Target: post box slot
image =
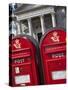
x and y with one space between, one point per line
56 48
54 44
21 54
19 50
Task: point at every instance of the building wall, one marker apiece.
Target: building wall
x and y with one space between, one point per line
52 16
61 17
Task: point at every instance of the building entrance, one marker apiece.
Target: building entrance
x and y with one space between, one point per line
39 35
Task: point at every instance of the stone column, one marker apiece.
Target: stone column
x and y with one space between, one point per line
18 27
30 26
53 20
42 24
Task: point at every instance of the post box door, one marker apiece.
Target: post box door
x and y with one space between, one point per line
53 53
25 71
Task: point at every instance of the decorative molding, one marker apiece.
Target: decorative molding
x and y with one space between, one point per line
35 13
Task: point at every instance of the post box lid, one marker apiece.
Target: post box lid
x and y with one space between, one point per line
29 40
17 40
54 36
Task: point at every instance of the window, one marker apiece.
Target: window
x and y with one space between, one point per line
48 21
61 17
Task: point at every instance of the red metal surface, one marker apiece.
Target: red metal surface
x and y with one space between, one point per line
53 53
23 55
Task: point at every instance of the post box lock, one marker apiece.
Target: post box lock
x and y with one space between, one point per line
17 70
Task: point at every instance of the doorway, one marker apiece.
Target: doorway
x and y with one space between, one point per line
39 35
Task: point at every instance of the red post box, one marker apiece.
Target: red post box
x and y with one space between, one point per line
53 53
23 64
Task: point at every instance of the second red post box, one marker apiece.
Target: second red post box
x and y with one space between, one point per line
23 62
53 53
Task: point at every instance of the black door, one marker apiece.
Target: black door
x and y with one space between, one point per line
39 36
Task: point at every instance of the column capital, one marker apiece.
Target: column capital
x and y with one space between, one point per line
52 13
28 18
42 15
